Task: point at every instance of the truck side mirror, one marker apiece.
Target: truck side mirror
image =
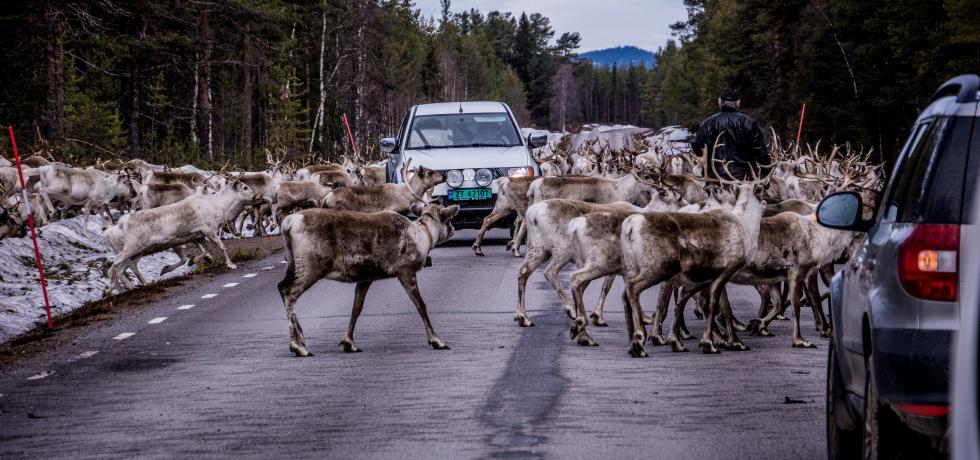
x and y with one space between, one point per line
537 139
388 145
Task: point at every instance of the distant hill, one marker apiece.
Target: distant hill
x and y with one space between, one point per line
621 56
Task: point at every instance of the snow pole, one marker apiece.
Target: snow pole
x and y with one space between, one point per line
350 134
799 130
30 223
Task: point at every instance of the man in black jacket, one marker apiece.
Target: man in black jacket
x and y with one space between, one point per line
731 136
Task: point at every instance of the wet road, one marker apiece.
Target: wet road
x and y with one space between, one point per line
217 378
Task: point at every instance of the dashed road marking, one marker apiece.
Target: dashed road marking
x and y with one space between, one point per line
209 296
282 261
40 376
124 335
88 354
158 320
185 307
268 268
250 275
230 285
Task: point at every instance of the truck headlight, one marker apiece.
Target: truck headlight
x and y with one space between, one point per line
520 172
454 178
483 177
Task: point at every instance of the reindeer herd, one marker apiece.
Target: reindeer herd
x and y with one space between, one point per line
652 216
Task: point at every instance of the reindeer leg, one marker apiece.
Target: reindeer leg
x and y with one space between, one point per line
215 237
182 254
711 309
488 222
292 286
597 317
676 337
795 287
534 259
410 283
638 336
663 302
521 231
579 281
360 292
551 274
85 211
812 290
732 341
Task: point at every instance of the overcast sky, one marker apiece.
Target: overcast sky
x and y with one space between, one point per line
603 24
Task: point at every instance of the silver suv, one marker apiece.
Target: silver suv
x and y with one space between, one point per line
895 306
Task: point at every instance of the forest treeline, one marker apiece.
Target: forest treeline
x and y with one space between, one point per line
225 80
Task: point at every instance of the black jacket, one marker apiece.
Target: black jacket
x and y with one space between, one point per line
740 140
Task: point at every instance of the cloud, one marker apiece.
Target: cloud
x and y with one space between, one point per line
642 23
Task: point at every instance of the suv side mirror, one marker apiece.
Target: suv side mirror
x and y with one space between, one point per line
388 145
537 139
842 211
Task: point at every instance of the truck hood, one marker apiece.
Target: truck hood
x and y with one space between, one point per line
469 157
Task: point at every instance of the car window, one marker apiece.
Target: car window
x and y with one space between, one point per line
463 130
972 173
402 127
912 177
888 212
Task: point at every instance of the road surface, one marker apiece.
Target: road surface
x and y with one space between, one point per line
217 379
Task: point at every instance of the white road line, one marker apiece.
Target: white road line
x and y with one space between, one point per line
40 376
268 268
230 285
250 275
282 261
185 307
88 354
124 335
158 320
209 296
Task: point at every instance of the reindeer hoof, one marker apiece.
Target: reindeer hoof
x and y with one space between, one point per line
707 347
677 347
737 346
647 319
522 320
636 349
782 317
698 314
656 340
583 339
803 344
569 311
826 333
437 344
299 350
509 246
598 320
740 327
349 346
478 251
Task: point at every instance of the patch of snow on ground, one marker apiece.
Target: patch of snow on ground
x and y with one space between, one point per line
671 140
75 267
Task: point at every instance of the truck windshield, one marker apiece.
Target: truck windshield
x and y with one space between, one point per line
463 130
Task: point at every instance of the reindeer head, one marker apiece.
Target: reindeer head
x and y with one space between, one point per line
438 219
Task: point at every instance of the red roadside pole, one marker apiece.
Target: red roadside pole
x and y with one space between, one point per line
351 134
799 131
30 223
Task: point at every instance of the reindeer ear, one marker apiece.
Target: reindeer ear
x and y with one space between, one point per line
447 214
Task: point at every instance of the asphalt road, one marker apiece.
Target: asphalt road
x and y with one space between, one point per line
217 379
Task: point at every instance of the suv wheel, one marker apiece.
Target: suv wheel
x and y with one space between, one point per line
841 443
885 436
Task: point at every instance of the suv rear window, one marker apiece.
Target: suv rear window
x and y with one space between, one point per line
930 186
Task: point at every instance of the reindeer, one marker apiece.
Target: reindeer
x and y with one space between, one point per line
90 189
388 197
356 247
546 223
700 250
292 195
149 231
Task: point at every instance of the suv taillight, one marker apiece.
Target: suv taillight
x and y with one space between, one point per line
928 262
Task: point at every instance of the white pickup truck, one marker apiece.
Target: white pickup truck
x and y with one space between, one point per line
473 144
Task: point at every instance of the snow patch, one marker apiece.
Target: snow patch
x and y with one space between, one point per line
75 267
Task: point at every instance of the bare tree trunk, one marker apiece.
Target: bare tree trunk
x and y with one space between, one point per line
204 123
359 127
247 90
55 117
318 120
